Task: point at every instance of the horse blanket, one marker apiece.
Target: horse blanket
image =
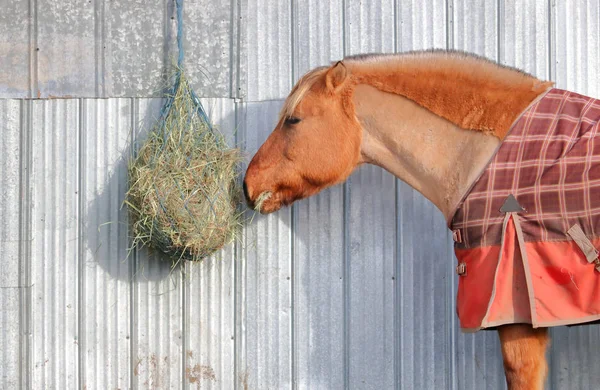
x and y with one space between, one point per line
526 234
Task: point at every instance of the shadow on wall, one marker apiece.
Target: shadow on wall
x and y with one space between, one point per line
106 226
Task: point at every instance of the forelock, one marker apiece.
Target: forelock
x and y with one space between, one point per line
300 90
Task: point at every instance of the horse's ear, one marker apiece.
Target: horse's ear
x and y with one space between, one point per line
336 76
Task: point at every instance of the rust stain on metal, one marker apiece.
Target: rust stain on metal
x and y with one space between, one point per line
60 97
136 370
244 379
199 372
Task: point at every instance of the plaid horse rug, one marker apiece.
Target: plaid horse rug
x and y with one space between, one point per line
526 233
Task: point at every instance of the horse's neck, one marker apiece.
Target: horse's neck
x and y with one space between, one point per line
434 156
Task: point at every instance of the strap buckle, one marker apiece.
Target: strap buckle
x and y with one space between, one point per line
456 236
461 269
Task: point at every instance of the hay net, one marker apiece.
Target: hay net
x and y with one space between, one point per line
184 193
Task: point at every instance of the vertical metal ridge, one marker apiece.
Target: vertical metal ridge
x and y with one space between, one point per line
184 291
552 39
396 27
133 265
241 90
100 48
294 46
237 254
25 306
293 285
346 285
81 285
34 88
399 296
234 49
449 24
452 319
500 18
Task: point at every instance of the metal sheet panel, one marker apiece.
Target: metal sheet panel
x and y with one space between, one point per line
140 42
577 45
525 42
265 279
65 48
475 29
424 269
106 130
10 237
111 49
370 279
16 51
421 24
319 278
268 39
318 39
55 249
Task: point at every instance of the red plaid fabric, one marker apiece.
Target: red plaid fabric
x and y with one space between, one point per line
550 162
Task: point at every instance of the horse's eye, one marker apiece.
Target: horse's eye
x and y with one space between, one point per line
291 120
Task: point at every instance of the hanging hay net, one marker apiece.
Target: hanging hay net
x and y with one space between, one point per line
184 194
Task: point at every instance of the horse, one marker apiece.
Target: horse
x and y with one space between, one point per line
445 122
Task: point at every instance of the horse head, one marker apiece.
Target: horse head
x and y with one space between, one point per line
315 144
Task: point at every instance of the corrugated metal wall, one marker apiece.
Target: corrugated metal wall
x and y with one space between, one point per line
353 288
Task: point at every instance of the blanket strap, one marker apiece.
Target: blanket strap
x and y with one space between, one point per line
586 246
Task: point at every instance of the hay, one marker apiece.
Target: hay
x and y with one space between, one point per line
262 198
184 194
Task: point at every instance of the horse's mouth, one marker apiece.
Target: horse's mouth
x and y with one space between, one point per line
269 202
265 203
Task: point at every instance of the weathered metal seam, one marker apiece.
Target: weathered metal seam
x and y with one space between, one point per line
81 291
25 304
500 28
34 91
99 47
133 266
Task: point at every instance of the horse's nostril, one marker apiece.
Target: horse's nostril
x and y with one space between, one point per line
245 187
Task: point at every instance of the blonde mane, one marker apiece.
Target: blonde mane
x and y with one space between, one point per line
472 92
300 90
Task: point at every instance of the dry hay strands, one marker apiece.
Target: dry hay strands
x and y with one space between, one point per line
184 193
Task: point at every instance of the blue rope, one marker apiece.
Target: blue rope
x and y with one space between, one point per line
180 32
177 82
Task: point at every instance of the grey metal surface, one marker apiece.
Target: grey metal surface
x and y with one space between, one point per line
114 48
353 288
10 235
